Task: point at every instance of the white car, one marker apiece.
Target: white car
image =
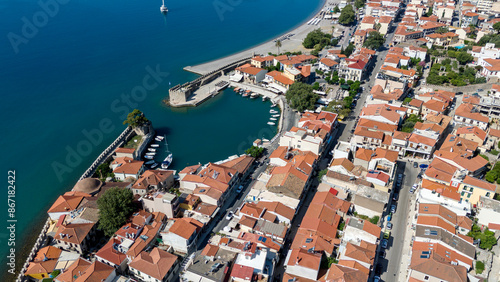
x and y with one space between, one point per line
229 215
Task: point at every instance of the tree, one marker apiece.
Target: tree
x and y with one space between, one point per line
115 207
429 12
374 40
359 3
316 86
103 171
322 173
135 119
278 44
336 9
479 267
407 100
374 219
301 97
491 176
316 39
347 15
496 27
254 151
442 30
348 51
464 58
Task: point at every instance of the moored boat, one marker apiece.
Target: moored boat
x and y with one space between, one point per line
155 145
151 150
273 112
167 161
149 162
148 157
272 118
277 115
150 154
271 123
154 165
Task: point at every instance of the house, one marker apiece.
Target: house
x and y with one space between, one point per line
148 235
473 166
471 189
97 271
64 205
414 107
433 107
379 179
76 237
71 273
181 234
114 253
442 39
485 52
338 272
469 18
156 266
163 202
212 264
153 179
422 146
466 114
358 229
460 224
430 27
427 268
44 263
125 152
491 68
472 133
455 144
300 138
446 254
381 113
373 125
302 263
383 160
415 52
364 253
327 65
251 74
488 213
399 142
436 193
283 213
126 167
353 69
343 166
369 201
363 157
262 62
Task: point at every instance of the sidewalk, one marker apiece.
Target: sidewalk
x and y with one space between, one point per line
409 232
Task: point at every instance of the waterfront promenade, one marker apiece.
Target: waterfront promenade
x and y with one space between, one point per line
290 44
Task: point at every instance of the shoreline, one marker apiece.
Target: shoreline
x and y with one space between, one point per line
208 66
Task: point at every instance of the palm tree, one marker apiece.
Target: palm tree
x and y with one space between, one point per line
278 44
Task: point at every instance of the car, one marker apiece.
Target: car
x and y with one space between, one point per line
384 243
389 225
229 215
400 176
389 217
381 254
395 197
240 188
387 234
419 175
480 90
415 164
412 189
376 279
393 209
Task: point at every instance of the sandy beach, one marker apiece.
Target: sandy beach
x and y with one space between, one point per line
290 44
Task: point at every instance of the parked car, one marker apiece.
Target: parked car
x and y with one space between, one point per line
393 209
395 196
381 254
415 164
412 189
376 279
387 234
229 215
384 243
389 217
389 225
240 188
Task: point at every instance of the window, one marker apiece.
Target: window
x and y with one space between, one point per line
426 278
471 189
487 194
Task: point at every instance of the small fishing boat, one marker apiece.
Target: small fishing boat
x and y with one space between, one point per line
264 98
154 165
148 157
277 115
150 154
265 140
236 89
273 105
254 95
151 150
271 123
163 8
155 145
272 118
245 95
167 161
150 162
273 112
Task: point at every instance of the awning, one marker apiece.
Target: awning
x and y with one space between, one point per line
278 87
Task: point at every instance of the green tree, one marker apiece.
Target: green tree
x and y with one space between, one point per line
496 27
479 267
254 151
316 39
336 9
464 58
278 44
374 40
347 15
407 100
115 207
322 173
316 86
374 219
135 119
103 171
442 30
348 51
301 97
491 176
429 12
359 3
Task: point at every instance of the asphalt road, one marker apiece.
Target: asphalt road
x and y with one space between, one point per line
397 245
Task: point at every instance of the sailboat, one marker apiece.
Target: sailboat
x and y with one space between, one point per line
168 160
163 8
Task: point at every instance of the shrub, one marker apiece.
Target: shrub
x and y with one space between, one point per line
494 152
485 157
479 267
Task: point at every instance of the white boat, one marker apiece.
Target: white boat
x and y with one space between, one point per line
149 163
272 118
148 157
265 140
150 154
155 145
273 112
264 98
271 123
277 115
160 138
163 8
154 165
151 150
167 161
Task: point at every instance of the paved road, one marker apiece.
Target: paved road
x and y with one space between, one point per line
397 243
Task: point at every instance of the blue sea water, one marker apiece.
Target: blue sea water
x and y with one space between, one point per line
69 67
